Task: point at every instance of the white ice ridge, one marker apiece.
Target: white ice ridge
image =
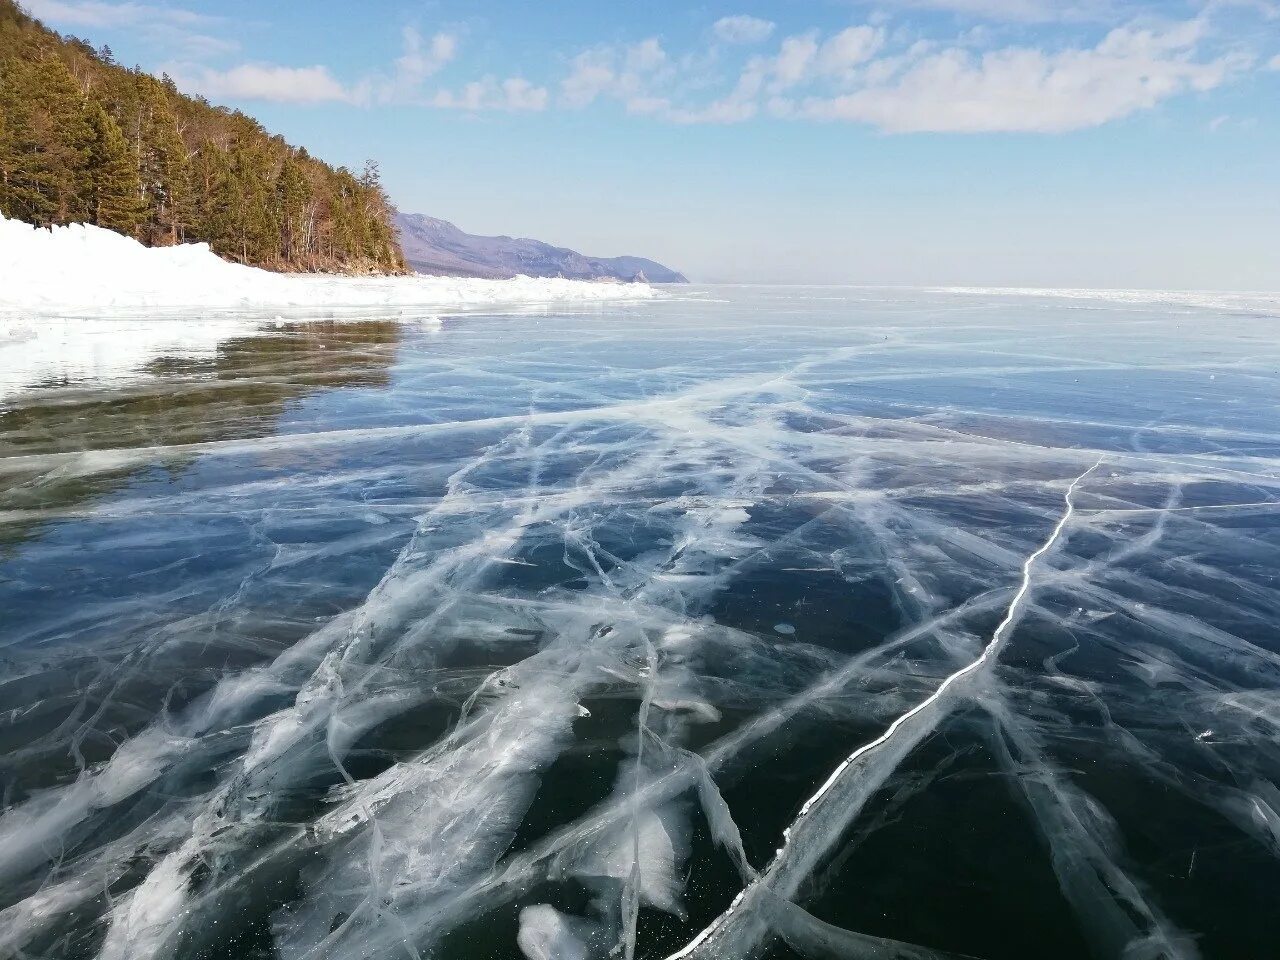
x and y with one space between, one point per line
1212 299
811 839
84 268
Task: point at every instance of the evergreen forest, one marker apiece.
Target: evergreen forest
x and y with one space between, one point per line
86 140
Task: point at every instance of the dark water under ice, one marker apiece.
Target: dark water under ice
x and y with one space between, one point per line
553 636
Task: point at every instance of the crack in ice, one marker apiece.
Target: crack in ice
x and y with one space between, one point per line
989 653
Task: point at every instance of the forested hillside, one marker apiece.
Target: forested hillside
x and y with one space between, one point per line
85 140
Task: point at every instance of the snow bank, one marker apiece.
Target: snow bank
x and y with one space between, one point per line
79 268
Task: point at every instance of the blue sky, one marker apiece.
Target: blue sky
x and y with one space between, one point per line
1022 142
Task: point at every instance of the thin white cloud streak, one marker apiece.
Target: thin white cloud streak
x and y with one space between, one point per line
405 84
1269 9
743 29
298 85
1015 11
180 32
98 13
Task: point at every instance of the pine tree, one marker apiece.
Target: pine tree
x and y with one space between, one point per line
219 199
161 158
291 211
115 191
258 239
381 246
45 147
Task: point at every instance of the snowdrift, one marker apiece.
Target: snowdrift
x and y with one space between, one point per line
83 268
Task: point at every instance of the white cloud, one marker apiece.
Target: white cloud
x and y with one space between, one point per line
522 95
420 59
1274 63
173 28
592 74
802 58
1268 9
514 94
929 86
181 33
189 44
1028 11
423 59
1027 89
646 56
795 57
730 109
98 13
622 73
301 85
849 48
743 29
648 106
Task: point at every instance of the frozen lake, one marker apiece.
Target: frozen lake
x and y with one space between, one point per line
753 622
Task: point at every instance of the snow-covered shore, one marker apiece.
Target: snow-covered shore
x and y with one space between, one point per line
81 304
81 270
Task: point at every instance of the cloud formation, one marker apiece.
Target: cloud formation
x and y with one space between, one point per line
886 74
1020 89
628 74
743 29
405 83
1018 11
181 32
99 13
514 94
969 85
301 85
423 58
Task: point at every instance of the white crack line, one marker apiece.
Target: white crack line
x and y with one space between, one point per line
988 654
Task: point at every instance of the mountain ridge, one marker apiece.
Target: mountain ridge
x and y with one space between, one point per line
436 246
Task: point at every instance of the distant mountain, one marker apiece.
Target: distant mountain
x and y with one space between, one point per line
438 247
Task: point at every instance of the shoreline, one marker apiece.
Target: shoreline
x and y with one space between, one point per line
81 270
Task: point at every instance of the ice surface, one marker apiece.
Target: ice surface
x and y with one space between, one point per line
50 349
811 622
545 934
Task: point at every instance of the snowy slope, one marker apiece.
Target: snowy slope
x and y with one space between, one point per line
82 268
